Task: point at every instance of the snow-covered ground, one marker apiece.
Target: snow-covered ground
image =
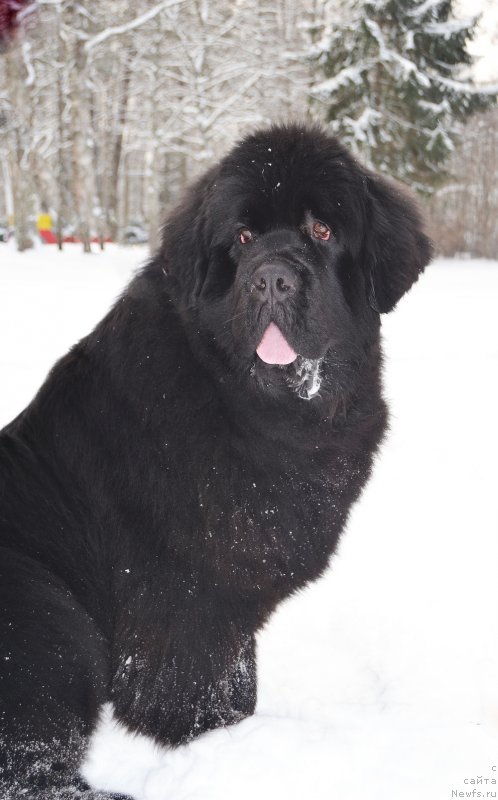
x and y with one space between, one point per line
380 681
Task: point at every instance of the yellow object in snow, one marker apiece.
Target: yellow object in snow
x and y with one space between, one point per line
44 222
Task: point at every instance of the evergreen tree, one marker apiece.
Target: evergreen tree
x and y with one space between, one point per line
395 88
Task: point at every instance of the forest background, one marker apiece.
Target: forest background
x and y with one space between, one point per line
107 110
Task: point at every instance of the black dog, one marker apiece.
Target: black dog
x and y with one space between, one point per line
193 460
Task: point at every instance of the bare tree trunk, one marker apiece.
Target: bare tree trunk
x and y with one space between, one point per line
117 149
82 160
125 194
60 164
16 77
98 158
154 177
9 197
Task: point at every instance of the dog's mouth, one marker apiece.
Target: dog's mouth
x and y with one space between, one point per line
274 347
299 373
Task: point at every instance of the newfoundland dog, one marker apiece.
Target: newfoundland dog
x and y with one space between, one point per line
193 460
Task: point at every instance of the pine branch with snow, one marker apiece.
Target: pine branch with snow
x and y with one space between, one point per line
397 84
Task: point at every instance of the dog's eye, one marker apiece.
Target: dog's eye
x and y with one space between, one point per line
245 236
321 231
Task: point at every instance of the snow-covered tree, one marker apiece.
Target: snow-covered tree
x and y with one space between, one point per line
397 84
123 103
108 109
17 119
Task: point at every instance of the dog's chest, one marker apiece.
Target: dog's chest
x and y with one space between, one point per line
278 527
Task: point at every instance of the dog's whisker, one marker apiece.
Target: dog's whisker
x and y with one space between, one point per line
235 317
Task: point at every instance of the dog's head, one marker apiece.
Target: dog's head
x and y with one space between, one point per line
285 254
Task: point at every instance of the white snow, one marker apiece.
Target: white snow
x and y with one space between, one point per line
379 681
450 27
361 127
422 9
346 75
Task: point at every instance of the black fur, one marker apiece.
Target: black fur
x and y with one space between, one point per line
166 489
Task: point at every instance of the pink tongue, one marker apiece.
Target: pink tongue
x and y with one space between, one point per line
274 348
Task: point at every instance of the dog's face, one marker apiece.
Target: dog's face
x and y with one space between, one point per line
290 251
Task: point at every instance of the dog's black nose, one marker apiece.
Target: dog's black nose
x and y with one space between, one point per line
274 280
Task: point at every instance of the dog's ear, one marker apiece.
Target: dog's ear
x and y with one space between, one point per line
183 254
396 247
